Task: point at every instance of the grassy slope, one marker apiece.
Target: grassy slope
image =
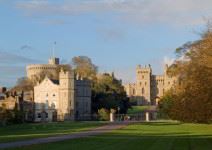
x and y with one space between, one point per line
148 136
30 131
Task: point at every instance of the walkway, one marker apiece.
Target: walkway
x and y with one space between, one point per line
93 132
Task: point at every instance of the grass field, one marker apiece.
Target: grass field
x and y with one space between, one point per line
137 109
30 131
142 136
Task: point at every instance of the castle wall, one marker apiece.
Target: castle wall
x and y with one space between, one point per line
36 70
149 88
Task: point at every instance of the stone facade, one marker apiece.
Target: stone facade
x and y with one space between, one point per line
67 98
149 88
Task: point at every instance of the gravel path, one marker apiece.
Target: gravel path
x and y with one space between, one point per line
92 132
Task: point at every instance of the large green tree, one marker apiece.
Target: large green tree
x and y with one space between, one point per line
109 93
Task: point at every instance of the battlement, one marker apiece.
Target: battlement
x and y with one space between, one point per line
145 69
84 83
159 78
64 74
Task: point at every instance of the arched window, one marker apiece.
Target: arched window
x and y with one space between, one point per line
133 92
143 91
157 90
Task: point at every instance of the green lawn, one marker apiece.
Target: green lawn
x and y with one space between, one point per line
142 136
30 131
137 109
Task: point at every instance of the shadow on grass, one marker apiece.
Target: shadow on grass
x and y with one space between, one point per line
131 141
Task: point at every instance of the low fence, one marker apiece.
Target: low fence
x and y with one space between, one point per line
143 116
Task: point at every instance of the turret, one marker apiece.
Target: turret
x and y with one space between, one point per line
54 61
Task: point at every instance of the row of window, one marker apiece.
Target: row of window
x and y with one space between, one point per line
45 106
143 72
42 115
52 95
144 83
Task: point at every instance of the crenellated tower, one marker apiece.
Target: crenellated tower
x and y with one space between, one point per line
66 95
143 84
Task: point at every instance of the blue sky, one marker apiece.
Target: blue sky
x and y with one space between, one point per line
116 34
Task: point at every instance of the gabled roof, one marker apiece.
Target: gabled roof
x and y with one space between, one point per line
47 79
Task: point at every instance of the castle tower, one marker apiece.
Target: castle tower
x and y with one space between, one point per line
66 96
143 84
54 61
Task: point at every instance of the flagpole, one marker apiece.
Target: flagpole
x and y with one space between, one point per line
53 51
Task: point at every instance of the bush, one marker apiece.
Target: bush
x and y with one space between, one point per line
103 114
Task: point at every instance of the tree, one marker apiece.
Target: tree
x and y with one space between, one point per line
103 114
5 115
192 100
23 84
84 67
109 93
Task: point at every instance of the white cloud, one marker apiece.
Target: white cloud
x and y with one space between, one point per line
138 11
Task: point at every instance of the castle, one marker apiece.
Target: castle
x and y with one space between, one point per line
61 95
149 88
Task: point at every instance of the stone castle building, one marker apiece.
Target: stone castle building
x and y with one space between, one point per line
149 88
61 95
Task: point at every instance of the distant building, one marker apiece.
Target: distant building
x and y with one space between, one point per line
149 88
63 97
60 96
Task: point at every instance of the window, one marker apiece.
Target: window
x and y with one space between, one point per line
133 92
53 106
47 104
37 106
140 83
39 115
142 77
145 83
53 95
46 115
143 91
157 90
